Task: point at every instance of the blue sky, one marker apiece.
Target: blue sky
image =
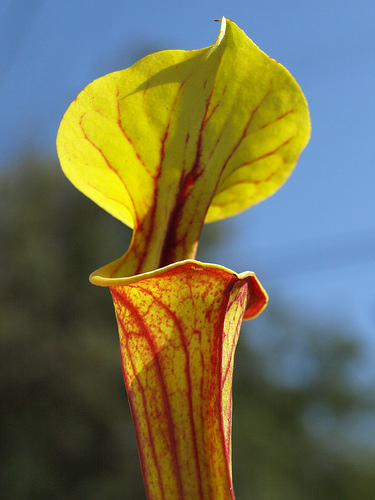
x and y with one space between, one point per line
313 243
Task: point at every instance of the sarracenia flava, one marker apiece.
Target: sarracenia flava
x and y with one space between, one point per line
176 140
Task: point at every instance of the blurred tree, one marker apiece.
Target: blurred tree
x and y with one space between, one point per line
65 426
65 423
295 404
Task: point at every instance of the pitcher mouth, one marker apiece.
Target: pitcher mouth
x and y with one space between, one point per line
257 303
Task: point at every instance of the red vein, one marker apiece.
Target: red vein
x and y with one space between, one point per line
173 221
119 122
226 445
222 131
207 118
109 165
186 182
120 298
247 125
187 370
270 153
276 119
258 158
158 369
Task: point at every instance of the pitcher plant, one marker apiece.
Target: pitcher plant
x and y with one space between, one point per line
179 139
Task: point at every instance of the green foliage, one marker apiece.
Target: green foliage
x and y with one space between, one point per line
65 426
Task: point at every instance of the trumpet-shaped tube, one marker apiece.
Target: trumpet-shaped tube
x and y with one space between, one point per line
178 331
